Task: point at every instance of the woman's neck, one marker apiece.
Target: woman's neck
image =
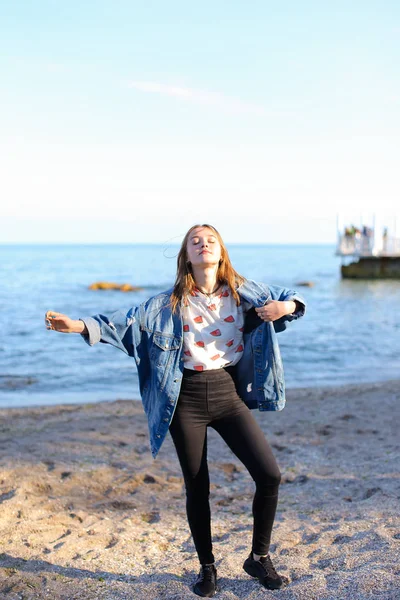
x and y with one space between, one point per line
206 279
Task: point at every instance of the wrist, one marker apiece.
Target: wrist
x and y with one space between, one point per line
78 327
290 307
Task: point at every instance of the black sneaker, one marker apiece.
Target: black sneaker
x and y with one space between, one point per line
264 570
206 583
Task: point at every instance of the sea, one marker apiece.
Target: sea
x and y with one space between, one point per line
350 333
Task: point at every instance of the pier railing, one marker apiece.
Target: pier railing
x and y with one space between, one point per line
363 245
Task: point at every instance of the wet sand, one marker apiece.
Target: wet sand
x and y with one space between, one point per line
86 513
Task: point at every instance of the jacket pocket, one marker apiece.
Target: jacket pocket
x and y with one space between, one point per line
165 342
162 352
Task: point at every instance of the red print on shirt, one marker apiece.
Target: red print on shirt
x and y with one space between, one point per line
241 328
239 348
215 357
198 367
193 293
186 328
230 343
225 294
200 344
198 319
229 319
216 332
212 307
187 353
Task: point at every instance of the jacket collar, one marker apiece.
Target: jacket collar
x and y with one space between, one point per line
255 293
251 291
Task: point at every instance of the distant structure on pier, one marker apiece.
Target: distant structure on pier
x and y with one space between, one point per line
375 250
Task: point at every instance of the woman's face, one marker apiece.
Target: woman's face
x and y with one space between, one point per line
203 247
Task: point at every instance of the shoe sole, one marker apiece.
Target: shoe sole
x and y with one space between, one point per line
253 572
206 595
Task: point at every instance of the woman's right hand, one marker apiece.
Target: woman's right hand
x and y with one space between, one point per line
59 322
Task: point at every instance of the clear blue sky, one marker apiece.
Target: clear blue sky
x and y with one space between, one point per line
130 121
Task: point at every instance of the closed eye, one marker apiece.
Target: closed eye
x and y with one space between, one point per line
197 241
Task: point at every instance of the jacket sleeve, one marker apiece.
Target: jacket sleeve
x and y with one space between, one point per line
283 294
120 329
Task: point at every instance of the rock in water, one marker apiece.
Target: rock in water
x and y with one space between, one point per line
106 285
305 283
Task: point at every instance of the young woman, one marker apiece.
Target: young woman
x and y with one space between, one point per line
206 352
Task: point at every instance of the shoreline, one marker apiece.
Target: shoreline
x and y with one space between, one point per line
86 513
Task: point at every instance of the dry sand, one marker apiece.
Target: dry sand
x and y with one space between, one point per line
86 513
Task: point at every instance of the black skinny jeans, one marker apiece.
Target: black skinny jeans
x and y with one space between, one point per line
209 399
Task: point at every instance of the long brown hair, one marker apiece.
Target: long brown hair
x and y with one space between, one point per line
185 283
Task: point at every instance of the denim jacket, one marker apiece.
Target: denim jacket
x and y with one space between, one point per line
153 336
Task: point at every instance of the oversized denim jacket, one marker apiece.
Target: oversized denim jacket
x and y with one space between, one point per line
153 336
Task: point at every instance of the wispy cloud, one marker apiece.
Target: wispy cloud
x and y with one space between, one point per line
204 97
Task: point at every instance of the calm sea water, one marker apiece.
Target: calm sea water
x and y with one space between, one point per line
351 332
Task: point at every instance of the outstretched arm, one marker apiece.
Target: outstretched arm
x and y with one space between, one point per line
59 322
120 329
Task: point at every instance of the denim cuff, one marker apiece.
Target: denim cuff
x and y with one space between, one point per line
298 312
94 334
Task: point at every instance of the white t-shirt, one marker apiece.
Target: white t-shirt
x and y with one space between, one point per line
212 330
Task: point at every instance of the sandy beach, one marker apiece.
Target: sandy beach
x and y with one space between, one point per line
86 513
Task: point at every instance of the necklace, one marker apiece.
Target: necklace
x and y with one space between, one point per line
209 294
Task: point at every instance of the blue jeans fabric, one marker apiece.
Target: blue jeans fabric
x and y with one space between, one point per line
209 399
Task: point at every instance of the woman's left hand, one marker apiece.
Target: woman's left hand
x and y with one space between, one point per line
275 309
